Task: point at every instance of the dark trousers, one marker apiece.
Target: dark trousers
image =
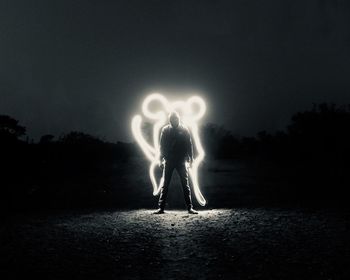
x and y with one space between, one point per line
167 173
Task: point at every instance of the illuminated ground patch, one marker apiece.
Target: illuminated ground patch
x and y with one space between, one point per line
226 244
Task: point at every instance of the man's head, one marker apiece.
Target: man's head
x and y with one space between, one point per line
174 119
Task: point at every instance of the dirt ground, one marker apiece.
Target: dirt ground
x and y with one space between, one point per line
216 244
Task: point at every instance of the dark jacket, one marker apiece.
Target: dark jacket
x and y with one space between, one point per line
176 144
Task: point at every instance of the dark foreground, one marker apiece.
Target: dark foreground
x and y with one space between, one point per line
216 244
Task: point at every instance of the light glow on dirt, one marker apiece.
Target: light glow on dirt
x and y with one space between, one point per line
189 117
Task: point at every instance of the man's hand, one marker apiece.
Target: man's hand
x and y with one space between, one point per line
190 162
161 163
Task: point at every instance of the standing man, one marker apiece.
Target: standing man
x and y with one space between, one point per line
176 152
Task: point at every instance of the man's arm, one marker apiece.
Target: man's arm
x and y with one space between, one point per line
190 147
162 145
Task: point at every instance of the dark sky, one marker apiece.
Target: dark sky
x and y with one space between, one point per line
87 65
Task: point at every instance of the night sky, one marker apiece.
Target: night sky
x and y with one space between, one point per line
87 65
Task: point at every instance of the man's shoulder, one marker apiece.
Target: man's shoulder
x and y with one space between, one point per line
181 128
184 128
166 128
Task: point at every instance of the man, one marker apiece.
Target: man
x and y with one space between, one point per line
176 152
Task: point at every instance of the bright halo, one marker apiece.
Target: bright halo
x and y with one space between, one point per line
189 115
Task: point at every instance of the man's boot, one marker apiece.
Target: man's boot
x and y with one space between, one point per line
192 211
159 211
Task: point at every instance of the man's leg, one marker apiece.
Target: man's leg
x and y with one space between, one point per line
167 172
183 172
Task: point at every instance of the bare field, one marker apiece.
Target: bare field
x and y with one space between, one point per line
216 244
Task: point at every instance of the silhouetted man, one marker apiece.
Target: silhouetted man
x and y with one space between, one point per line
176 152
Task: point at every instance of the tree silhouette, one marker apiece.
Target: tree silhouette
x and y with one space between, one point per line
10 130
79 138
46 139
218 141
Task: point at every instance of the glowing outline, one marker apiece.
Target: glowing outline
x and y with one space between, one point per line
185 109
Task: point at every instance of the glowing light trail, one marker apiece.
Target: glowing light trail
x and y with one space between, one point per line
189 118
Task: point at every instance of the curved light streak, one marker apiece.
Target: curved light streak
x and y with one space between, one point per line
189 117
148 150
